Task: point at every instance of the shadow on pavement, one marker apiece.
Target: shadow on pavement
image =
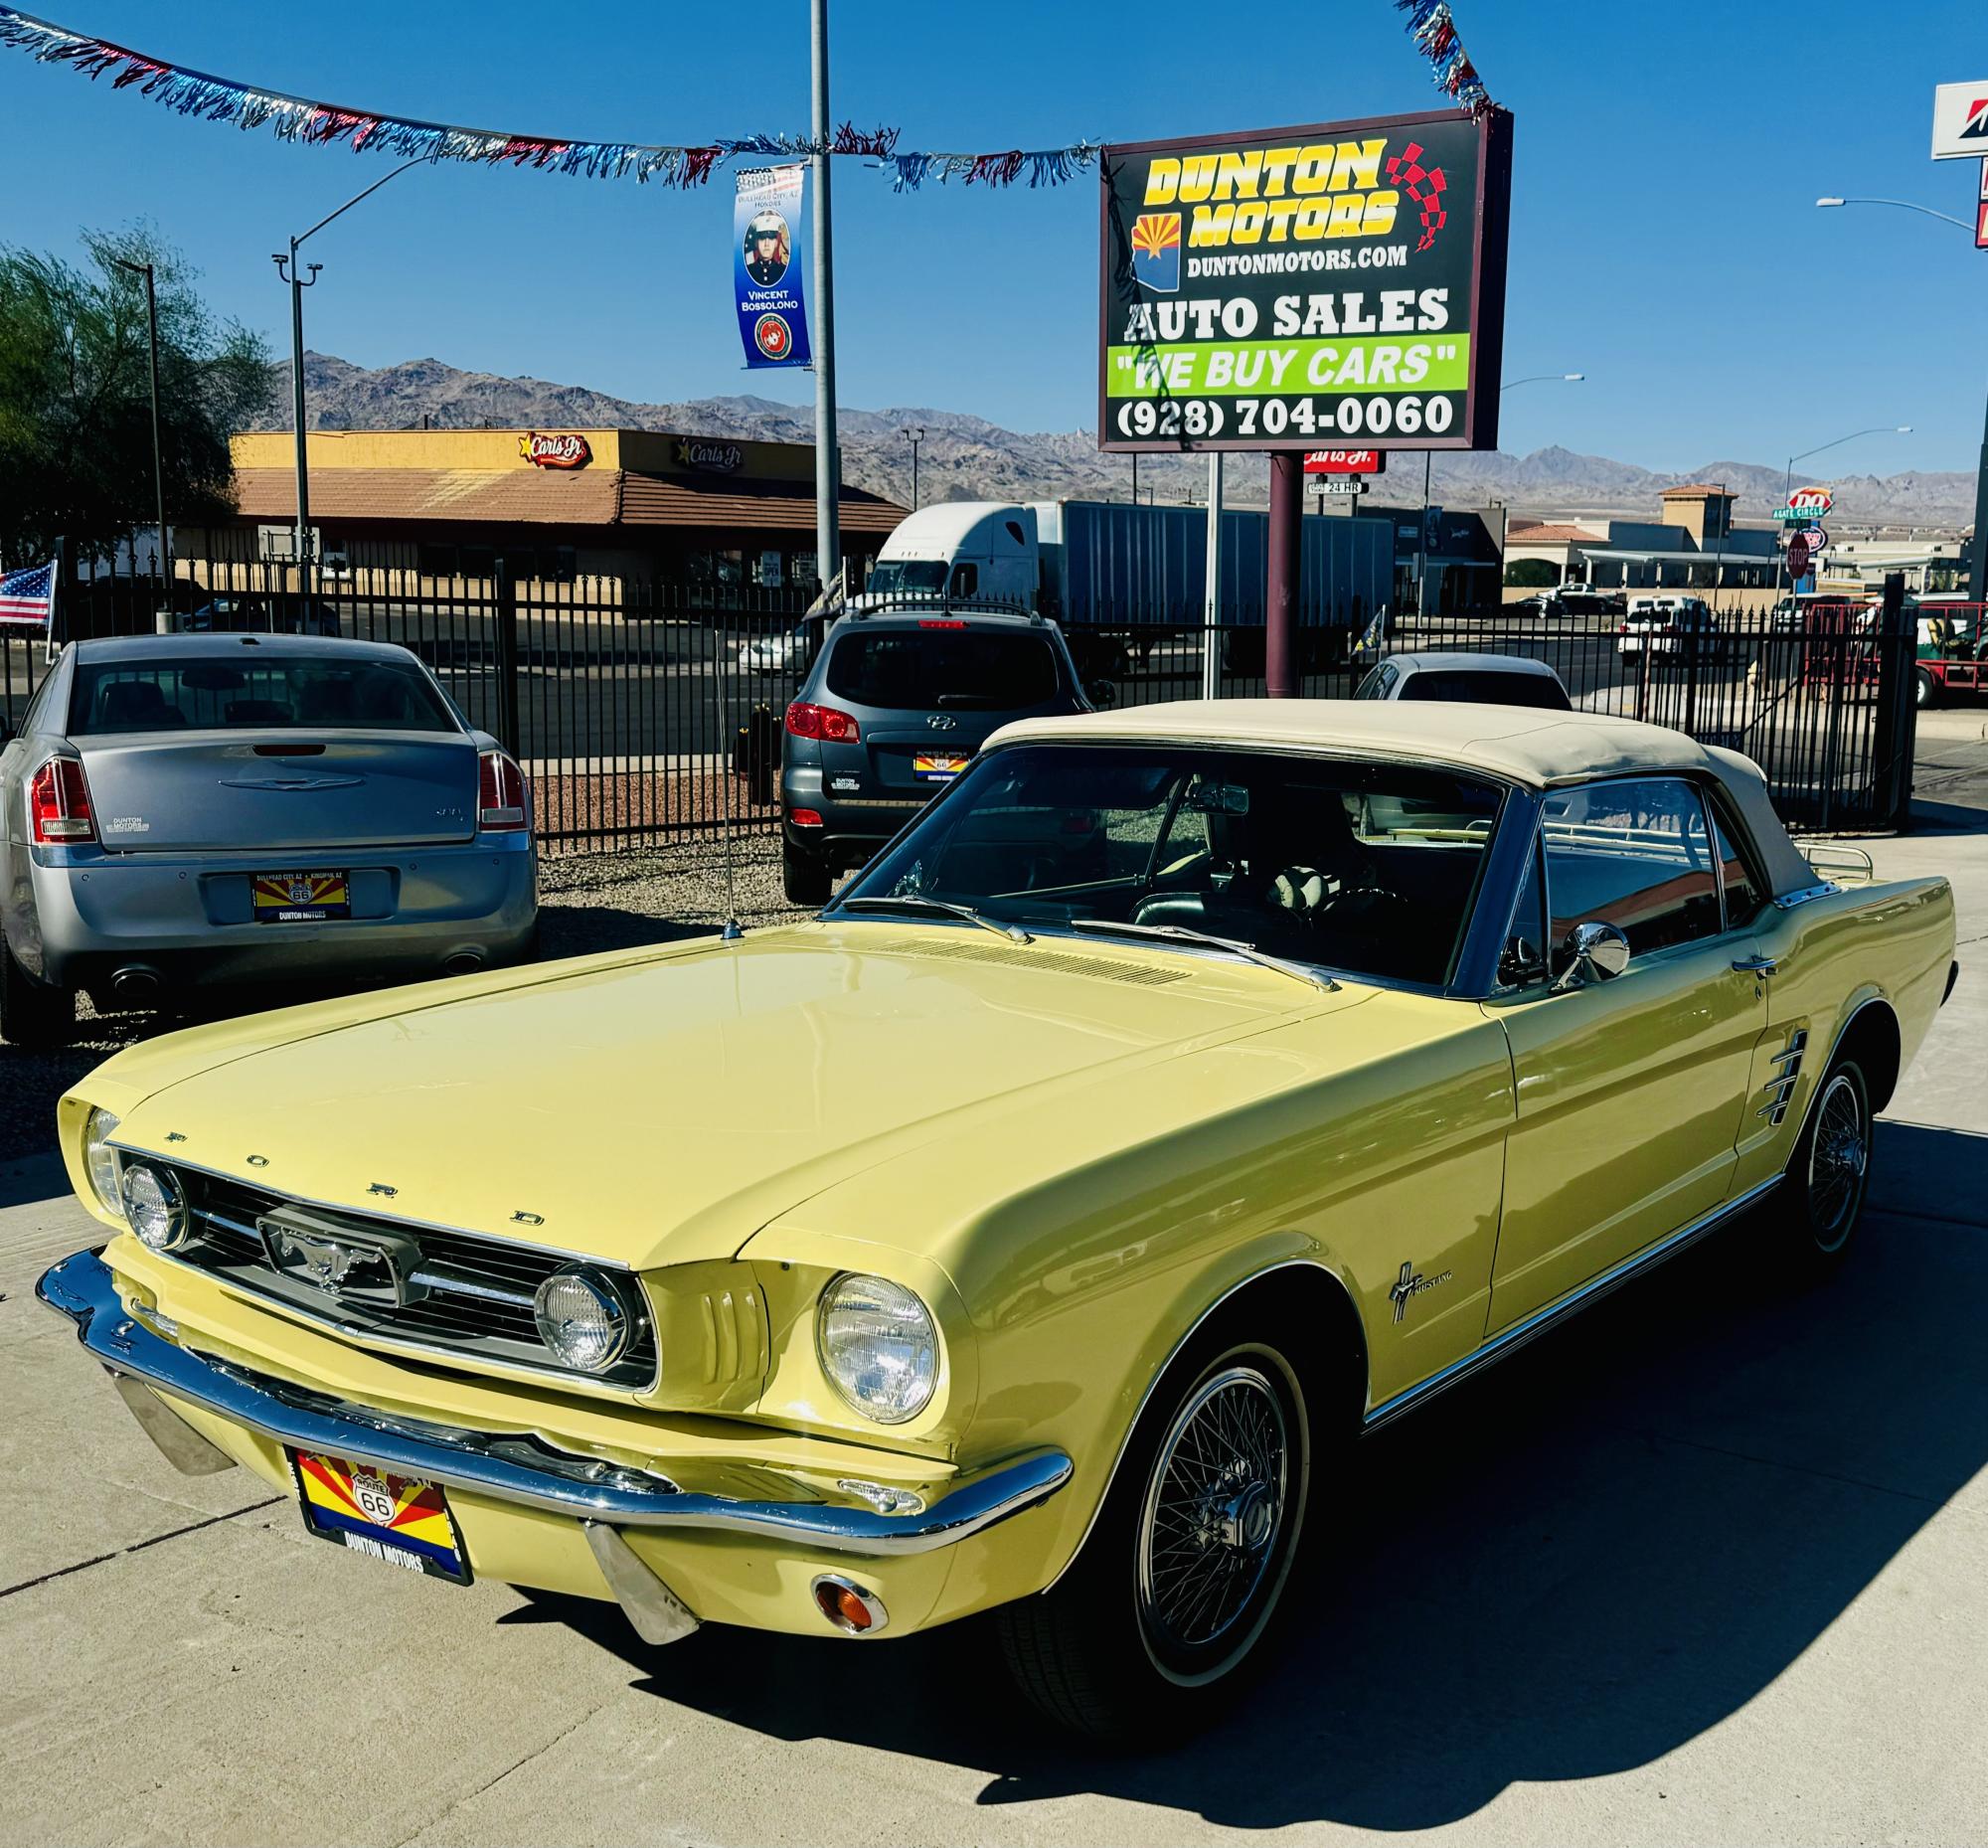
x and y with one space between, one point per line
1564 1571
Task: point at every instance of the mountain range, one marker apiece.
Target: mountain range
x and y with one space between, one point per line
964 458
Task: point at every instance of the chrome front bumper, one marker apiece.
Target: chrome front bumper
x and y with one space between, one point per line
516 1466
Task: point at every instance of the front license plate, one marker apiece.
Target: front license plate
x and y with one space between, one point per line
399 1519
936 767
301 897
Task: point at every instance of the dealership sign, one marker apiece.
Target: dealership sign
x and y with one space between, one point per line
546 452
1344 462
721 458
1271 289
1960 121
1806 504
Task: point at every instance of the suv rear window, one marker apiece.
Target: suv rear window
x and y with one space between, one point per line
1493 689
978 670
245 688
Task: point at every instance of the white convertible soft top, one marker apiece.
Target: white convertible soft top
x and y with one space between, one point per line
1519 744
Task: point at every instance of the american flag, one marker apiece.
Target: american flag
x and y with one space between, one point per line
27 595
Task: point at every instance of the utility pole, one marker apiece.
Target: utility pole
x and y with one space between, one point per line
913 437
292 273
1977 557
158 467
827 460
1282 576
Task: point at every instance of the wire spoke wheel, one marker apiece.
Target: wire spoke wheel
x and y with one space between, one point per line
1839 1158
1217 1507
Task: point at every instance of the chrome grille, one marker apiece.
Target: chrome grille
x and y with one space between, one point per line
478 1299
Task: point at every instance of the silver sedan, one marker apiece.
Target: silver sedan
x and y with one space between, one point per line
187 810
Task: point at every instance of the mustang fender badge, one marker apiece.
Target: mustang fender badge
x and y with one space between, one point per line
1412 1283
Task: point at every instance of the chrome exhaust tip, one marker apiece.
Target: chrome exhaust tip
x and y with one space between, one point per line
135 985
464 963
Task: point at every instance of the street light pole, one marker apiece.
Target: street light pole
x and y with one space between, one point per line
913 437
1977 565
1788 478
158 467
827 462
291 272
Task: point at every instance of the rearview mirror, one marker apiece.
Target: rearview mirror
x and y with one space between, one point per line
1591 952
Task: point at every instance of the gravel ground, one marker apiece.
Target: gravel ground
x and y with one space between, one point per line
587 902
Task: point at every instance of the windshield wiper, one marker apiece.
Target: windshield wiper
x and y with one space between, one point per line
1180 933
919 902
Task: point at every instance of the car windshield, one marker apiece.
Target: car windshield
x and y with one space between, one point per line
942 666
247 688
1363 868
893 576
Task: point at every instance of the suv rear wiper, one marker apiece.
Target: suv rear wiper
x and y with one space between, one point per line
919 903
1180 933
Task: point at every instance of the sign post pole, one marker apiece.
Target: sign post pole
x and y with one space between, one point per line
1210 607
827 460
1977 569
1281 601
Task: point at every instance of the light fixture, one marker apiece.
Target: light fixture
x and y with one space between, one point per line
155 1207
582 1319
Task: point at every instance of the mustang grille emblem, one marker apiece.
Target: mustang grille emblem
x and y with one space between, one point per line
1409 1283
375 1270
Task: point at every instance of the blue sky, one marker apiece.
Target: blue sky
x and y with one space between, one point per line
1665 241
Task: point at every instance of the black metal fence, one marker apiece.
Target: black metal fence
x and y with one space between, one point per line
644 712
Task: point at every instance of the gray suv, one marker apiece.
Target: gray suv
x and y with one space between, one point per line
892 710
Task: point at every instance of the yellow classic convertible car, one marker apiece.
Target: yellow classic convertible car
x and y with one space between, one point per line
1185 1093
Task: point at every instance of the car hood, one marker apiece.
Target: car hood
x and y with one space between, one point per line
662 1107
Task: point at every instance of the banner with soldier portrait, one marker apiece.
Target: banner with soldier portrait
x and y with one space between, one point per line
767 266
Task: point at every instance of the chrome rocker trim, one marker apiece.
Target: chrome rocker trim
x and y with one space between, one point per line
1521 1332
516 1467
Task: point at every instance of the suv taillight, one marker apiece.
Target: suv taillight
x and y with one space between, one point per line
503 797
59 805
825 721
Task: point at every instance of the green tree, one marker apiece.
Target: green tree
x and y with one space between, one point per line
75 432
1530 572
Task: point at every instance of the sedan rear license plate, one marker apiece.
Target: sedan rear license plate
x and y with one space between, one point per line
399 1519
936 765
301 897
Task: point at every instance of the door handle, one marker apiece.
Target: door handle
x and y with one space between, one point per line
1755 965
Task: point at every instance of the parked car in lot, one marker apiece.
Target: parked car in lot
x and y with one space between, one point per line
1574 599
198 810
1485 679
778 651
1035 1230
892 710
1667 625
284 614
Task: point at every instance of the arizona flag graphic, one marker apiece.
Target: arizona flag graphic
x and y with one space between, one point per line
1156 250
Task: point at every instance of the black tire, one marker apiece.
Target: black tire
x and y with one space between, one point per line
1132 1646
804 879
32 1014
1820 1200
1926 689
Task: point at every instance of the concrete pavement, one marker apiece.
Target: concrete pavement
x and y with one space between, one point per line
1711 1565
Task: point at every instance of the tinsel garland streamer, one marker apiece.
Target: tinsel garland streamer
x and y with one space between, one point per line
299 118
1434 27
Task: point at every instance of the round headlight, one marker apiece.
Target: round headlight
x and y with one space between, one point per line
101 1160
155 1206
582 1320
878 1346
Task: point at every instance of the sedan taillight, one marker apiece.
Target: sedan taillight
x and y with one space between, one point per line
59 805
503 797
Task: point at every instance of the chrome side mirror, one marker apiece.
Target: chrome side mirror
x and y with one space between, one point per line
1593 952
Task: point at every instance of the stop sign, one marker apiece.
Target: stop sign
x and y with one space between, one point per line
1798 556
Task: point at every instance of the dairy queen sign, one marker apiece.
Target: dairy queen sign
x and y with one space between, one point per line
568 450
